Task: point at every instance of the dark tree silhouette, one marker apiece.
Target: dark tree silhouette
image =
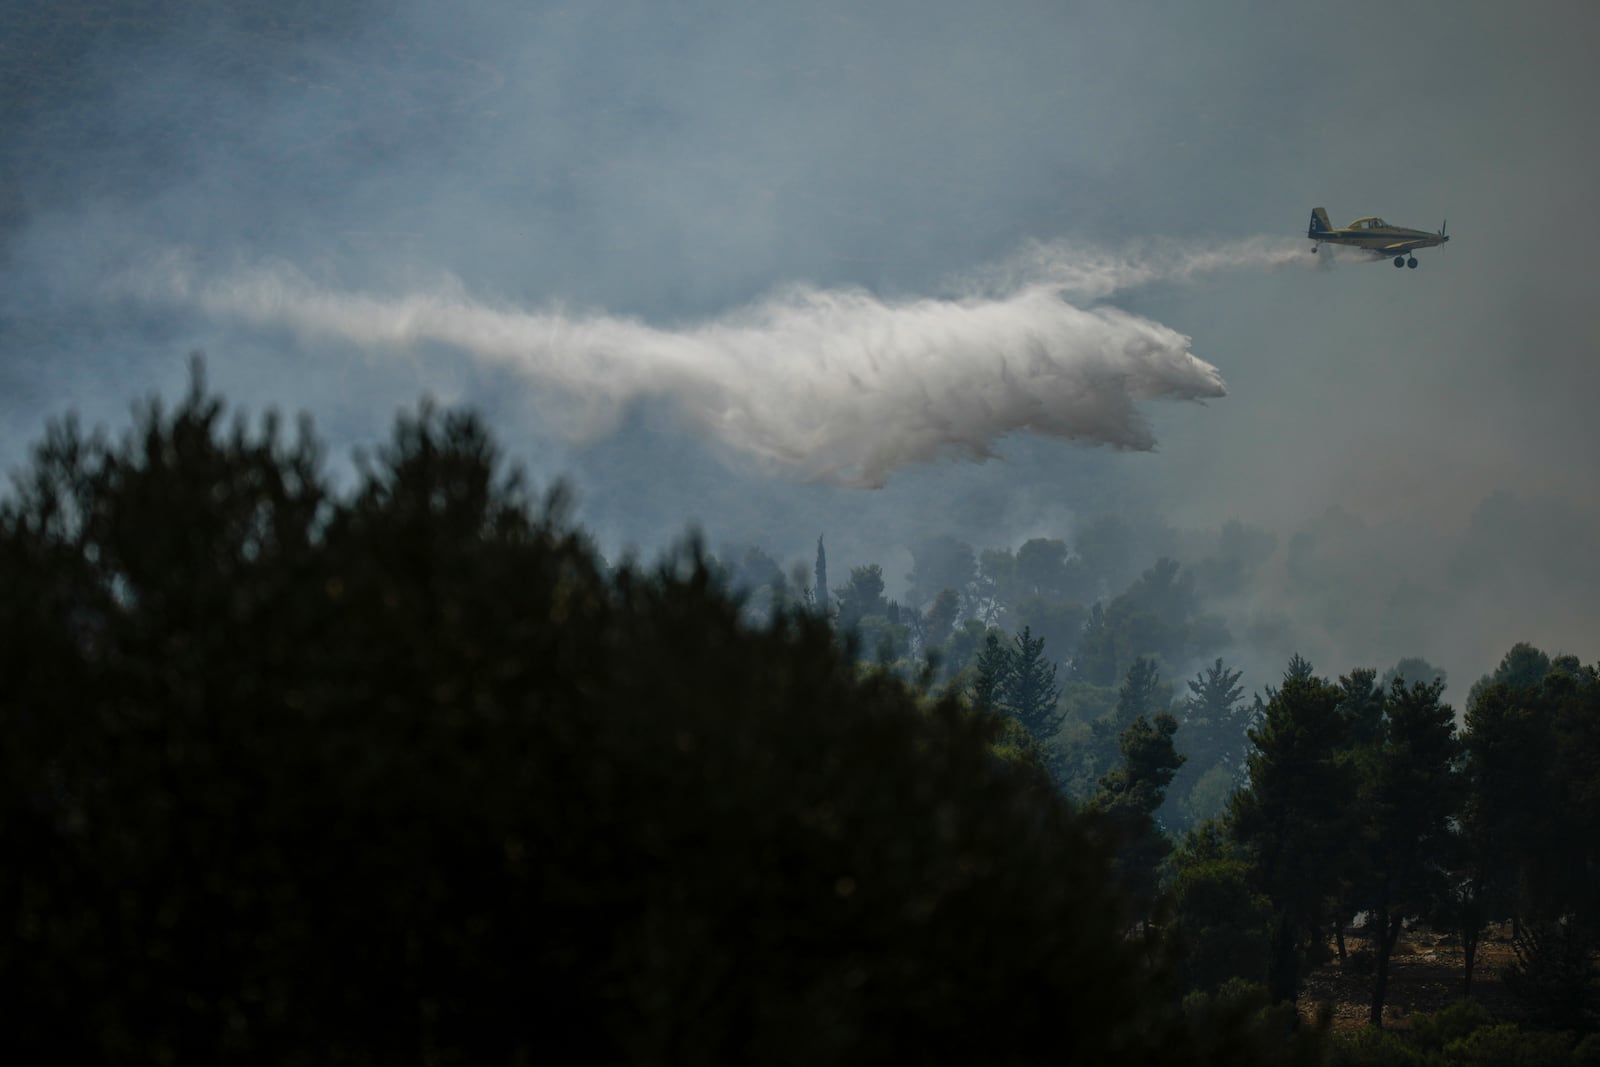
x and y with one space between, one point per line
1407 795
406 774
1292 820
1030 691
992 675
1129 796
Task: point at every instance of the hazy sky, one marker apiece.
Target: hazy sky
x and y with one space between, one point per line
782 271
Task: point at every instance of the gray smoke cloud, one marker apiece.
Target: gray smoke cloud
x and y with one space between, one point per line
713 266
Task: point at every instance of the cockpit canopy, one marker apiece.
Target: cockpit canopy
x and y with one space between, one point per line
1371 222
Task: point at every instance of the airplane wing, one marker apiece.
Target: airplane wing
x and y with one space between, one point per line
1402 246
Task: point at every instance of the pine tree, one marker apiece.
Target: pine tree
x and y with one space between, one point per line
993 675
1214 730
1142 693
411 774
1214 726
1407 796
1129 797
1292 820
1031 692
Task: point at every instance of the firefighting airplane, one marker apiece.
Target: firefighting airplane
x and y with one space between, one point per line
1375 236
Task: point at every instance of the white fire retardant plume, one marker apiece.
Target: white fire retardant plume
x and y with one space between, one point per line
834 385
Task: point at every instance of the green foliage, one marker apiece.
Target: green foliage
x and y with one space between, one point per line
1214 693
1533 763
1157 616
861 597
1030 692
884 638
1142 693
1521 669
1506 1046
1208 798
1239 1024
1406 795
1556 974
1509 748
1045 571
1220 923
406 774
1149 760
1096 660
991 675
1215 735
1409 670
1432 1033
1128 798
1081 754
1293 819
1019 682
1372 1047
1362 706
1462 1035
1013 742
1058 623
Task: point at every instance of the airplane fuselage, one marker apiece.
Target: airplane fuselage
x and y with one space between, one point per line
1375 236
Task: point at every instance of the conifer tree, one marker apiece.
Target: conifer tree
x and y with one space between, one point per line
993 675
1031 692
1292 820
1407 795
1129 797
408 774
1214 725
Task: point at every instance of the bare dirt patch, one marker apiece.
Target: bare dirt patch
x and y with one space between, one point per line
1426 975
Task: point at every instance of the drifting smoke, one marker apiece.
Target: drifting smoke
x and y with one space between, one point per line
1094 274
833 385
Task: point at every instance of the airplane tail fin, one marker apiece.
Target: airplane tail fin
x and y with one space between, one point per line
1319 223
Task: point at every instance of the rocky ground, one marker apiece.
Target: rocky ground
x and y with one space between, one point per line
1425 975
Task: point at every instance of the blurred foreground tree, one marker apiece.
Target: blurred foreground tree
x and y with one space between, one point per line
407 775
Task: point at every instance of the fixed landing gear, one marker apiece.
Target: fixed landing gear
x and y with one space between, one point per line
1412 262
1402 261
1399 261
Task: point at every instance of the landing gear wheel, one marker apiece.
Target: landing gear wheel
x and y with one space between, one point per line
1412 262
1399 261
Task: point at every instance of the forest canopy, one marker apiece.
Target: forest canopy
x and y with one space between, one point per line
407 771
